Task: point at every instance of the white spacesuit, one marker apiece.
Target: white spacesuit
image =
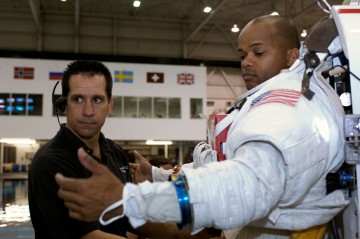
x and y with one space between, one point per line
280 148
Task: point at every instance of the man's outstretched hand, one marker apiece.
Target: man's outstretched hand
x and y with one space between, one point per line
141 171
88 198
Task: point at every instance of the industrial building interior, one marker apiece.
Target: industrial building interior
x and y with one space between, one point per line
157 31
165 32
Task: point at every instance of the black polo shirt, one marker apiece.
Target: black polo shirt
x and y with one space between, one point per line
49 216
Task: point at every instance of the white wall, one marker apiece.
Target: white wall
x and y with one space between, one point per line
45 126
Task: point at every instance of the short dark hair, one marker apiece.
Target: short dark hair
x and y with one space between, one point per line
88 68
285 29
159 161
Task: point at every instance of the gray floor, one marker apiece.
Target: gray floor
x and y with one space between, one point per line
14 212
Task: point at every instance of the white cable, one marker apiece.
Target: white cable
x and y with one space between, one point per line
322 7
110 208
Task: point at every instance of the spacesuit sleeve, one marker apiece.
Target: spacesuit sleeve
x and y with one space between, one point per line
233 193
224 195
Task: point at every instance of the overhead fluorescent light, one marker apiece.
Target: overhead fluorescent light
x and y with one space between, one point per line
207 9
235 28
158 142
17 141
136 3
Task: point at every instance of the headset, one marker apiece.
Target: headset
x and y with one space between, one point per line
58 103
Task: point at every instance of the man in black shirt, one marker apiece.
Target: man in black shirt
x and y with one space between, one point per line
86 100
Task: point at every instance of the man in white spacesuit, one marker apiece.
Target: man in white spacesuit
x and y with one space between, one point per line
281 145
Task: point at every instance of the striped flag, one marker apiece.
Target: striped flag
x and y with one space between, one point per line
55 75
124 76
185 78
287 97
155 77
26 73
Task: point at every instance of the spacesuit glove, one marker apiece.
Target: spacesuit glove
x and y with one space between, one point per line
203 154
160 174
156 202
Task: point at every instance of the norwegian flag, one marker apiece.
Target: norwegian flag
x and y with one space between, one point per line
26 73
185 78
287 97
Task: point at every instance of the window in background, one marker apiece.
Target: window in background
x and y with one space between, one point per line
159 107
175 108
9 154
196 108
19 104
4 104
130 107
117 107
145 107
34 104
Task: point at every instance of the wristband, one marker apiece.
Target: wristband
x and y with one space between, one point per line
110 208
184 200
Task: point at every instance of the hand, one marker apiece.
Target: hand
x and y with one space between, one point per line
142 171
88 198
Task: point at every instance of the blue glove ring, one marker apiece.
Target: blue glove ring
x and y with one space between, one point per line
184 200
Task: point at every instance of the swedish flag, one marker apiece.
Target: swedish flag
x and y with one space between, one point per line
124 76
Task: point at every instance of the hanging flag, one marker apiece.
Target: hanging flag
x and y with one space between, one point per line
124 76
55 75
26 73
155 77
185 78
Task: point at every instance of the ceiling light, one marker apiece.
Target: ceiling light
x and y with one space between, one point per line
158 142
63 0
17 141
304 33
136 3
207 9
235 28
274 13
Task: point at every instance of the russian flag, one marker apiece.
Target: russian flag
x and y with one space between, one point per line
55 75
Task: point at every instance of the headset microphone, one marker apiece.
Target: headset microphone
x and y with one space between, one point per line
59 103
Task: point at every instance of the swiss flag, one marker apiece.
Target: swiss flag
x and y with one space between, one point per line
155 77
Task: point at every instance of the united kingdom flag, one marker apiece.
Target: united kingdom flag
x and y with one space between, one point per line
185 78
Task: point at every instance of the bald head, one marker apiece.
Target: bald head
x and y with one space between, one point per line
283 29
267 45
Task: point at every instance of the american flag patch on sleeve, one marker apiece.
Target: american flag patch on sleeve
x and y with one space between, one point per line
287 97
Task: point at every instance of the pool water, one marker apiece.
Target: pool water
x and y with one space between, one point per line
14 209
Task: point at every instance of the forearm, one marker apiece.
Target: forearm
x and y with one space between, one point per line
242 189
160 174
147 201
225 195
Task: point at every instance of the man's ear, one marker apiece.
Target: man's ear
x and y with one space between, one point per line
111 104
292 56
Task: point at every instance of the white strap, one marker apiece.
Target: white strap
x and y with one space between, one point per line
225 122
110 208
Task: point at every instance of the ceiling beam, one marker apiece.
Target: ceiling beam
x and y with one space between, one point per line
212 13
35 11
76 26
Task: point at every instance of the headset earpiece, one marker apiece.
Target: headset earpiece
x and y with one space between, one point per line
60 103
